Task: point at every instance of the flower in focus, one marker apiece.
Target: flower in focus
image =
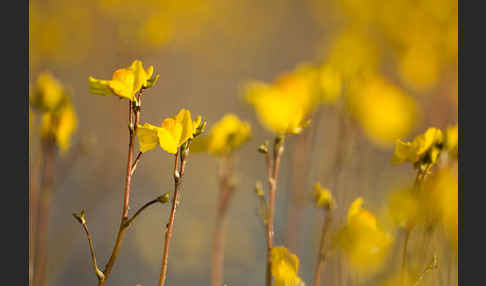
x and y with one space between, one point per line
285 267
384 112
323 197
284 106
452 140
48 92
173 132
424 149
225 136
60 125
125 83
362 242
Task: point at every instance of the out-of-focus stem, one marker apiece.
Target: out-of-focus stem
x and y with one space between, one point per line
44 204
272 171
225 194
321 257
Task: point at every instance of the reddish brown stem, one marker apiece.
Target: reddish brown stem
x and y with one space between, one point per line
126 200
272 182
225 194
168 233
42 232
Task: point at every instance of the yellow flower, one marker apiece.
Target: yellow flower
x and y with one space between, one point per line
225 136
425 148
60 125
452 140
285 267
441 201
173 132
284 106
362 242
404 208
48 92
330 83
323 197
125 83
382 109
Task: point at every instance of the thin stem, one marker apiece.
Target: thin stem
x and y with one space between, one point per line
121 232
225 194
135 164
170 225
44 204
98 272
321 257
129 221
272 181
404 255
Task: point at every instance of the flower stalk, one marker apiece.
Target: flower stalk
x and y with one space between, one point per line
178 173
321 256
272 174
226 189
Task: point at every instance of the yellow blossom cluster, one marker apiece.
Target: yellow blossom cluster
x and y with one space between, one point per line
126 82
285 267
173 132
58 120
225 136
364 244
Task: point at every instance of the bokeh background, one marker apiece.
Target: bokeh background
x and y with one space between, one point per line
205 51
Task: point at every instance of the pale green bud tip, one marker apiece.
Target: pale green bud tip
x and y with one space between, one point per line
259 189
164 198
80 217
263 148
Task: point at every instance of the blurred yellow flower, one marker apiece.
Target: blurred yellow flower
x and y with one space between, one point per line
173 132
404 208
452 140
424 149
323 197
225 136
420 66
60 125
330 83
440 198
362 242
48 92
285 267
382 109
125 83
284 106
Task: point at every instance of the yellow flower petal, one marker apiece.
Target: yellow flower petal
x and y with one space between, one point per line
285 267
167 141
147 137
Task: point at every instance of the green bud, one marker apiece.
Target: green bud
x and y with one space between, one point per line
164 198
80 217
264 147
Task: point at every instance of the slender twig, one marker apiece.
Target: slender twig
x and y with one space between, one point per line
41 237
82 220
168 233
404 255
33 202
321 257
160 199
225 194
133 120
272 172
135 164
432 265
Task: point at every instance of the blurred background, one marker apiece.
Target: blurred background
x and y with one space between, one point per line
205 52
